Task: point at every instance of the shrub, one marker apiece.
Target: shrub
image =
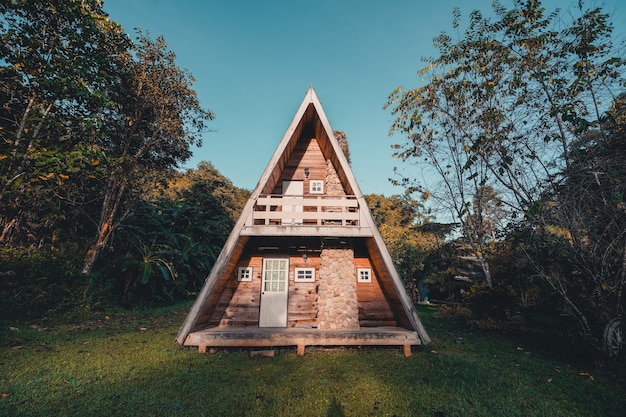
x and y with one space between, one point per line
40 282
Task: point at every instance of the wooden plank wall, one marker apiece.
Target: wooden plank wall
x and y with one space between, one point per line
374 308
302 308
386 282
306 154
211 307
239 303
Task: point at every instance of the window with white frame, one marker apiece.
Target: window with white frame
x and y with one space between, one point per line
304 275
244 274
316 187
364 274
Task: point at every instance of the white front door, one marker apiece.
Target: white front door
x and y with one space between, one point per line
273 311
293 189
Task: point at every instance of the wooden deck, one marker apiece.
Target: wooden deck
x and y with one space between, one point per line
301 337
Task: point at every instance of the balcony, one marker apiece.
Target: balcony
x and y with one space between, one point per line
280 215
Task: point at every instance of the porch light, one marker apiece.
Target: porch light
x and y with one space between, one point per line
306 172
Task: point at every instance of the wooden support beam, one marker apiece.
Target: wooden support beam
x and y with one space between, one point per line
300 349
263 353
202 349
407 350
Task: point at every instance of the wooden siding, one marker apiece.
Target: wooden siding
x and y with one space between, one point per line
302 307
309 122
374 309
239 303
215 286
386 283
306 154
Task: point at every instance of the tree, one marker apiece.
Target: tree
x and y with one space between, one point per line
399 219
584 221
206 181
342 138
155 119
167 246
57 59
506 101
504 105
480 224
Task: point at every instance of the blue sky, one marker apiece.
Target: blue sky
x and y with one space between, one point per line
253 62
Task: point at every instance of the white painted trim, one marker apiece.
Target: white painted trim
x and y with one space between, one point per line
274 293
244 273
316 186
308 272
364 275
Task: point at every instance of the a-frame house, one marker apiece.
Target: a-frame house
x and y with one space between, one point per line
304 264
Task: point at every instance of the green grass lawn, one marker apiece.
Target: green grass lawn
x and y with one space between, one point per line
127 364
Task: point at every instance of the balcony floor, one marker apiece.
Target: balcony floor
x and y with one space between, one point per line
306 230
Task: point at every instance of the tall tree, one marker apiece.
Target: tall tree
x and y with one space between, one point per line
510 98
57 59
584 221
511 95
155 120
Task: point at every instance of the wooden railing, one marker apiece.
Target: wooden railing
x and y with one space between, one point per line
285 210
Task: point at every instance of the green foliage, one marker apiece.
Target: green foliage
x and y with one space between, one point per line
519 104
166 248
57 58
162 252
342 138
37 283
500 302
440 268
205 186
399 219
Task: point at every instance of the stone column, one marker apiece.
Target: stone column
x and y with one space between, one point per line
333 184
337 304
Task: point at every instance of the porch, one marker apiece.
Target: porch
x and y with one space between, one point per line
302 337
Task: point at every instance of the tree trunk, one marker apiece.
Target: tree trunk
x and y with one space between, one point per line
484 265
622 280
8 229
110 207
92 254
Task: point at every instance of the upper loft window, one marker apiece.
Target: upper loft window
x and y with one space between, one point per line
316 187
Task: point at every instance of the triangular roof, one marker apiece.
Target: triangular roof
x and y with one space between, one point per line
309 114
